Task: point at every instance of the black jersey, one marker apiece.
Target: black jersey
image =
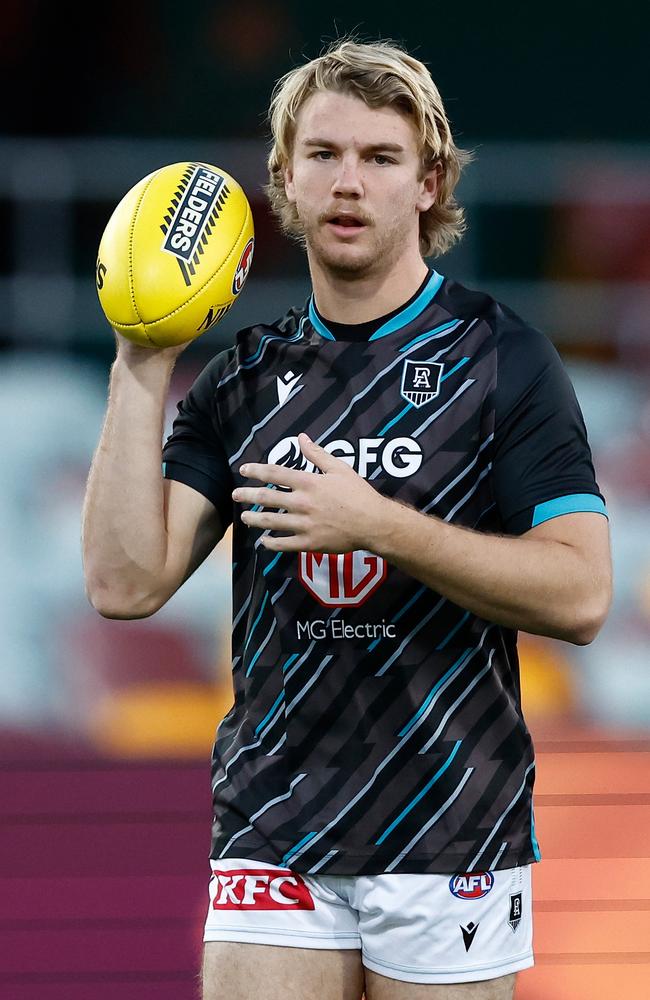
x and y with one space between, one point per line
377 726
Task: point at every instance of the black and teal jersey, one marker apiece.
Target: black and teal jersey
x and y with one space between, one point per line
376 725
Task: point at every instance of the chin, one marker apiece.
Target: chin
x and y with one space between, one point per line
350 268
346 261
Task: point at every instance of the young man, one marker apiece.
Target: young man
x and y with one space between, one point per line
409 481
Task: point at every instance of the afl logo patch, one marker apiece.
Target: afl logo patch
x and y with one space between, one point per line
474 886
421 381
243 267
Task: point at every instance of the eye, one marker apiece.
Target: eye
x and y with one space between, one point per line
322 154
381 160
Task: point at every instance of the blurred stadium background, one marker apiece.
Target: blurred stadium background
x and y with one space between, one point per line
106 727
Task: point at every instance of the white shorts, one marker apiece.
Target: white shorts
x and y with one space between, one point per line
415 928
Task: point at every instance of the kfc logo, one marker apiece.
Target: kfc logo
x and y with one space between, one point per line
260 889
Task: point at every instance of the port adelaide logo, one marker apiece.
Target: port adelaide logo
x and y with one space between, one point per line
421 381
193 211
515 911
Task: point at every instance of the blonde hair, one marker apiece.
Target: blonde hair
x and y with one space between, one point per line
381 74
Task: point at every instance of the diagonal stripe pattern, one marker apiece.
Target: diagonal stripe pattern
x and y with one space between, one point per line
382 734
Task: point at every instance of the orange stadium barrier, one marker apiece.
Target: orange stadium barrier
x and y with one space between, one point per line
592 888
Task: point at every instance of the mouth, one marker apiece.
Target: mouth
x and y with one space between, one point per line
346 224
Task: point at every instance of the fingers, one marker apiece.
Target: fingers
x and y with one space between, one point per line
263 496
269 521
292 543
278 475
132 351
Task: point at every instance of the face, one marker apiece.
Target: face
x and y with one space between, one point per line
355 179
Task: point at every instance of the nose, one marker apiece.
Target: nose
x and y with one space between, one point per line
347 181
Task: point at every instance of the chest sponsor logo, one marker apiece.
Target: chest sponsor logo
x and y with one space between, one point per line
398 457
421 381
474 886
515 911
346 579
260 889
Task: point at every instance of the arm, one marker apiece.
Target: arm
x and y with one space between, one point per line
552 578
142 536
555 580
555 577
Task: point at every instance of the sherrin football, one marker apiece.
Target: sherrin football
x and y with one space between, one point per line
175 254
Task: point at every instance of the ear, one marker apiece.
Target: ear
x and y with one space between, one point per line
289 186
429 188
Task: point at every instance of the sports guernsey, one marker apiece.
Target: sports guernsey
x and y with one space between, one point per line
376 726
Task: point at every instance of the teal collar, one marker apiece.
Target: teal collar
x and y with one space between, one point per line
402 319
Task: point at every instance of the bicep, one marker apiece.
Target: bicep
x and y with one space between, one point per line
194 527
588 533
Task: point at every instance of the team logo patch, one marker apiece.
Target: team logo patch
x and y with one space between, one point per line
474 886
421 381
260 889
243 267
515 911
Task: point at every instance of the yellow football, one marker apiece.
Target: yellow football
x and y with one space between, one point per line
175 254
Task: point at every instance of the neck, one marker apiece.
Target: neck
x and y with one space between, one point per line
360 298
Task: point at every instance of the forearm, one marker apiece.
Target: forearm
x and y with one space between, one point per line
123 526
537 585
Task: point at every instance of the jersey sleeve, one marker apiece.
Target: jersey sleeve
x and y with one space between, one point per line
542 461
194 453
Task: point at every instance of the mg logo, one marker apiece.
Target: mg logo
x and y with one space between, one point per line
345 579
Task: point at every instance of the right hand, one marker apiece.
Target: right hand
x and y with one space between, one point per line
130 351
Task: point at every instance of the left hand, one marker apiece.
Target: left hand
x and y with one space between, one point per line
334 512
